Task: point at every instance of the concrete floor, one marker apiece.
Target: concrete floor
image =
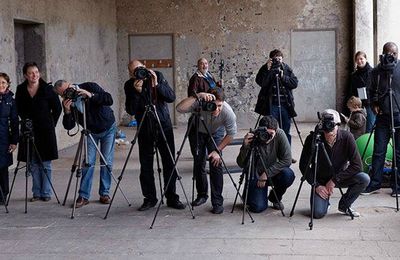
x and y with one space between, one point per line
48 232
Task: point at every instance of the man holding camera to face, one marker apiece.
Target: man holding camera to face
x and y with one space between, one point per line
150 88
90 98
277 81
276 156
385 77
339 167
216 114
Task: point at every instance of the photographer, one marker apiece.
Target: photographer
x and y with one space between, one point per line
39 109
276 72
346 168
276 150
100 123
221 116
8 132
385 75
148 87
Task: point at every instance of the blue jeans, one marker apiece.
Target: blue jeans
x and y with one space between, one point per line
41 187
370 120
107 141
381 140
257 199
285 120
354 185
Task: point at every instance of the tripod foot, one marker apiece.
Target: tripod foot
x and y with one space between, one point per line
193 217
72 217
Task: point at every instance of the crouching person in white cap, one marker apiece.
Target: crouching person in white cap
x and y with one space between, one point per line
346 168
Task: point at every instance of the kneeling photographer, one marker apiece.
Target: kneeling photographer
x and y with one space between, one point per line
339 165
277 157
90 98
216 113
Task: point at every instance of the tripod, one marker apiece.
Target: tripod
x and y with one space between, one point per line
30 146
81 161
317 144
249 174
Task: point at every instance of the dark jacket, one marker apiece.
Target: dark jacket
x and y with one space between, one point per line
43 109
379 88
357 123
8 127
344 151
359 79
277 155
198 84
135 102
99 115
266 79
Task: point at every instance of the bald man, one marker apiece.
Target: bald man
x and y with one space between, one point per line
141 93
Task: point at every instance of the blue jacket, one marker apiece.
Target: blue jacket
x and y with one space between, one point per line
8 127
99 115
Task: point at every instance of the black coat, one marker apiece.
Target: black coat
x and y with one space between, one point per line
8 127
43 109
359 79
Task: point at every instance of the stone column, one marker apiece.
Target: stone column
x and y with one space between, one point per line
388 23
364 28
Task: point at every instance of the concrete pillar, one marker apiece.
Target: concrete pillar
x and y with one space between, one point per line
364 28
388 22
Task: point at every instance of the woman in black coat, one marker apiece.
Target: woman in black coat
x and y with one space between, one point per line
8 132
359 81
36 101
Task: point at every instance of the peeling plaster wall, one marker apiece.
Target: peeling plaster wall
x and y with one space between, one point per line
240 32
80 38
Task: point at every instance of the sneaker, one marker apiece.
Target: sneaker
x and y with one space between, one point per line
33 199
217 210
369 191
80 202
349 210
45 199
278 205
105 199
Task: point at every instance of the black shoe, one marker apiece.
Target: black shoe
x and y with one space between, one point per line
176 204
147 204
199 201
33 199
217 210
46 199
278 205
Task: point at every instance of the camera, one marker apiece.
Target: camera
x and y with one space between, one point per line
71 93
141 73
276 63
261 135
327 123
208 106
27 127
388 61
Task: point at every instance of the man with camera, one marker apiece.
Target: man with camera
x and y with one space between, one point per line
90 98
340 166
216 113
384 78
39 109
148 89
277 81
276 155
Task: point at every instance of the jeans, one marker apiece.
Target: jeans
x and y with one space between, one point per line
370 120
285 120
355 185
257 199
381 140
41 187
205 146
107 141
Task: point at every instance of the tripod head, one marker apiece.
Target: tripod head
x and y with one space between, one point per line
27 128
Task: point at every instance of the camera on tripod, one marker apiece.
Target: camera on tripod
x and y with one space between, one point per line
27 127
387 60
276 63
141 73
327 123
71 93
261 135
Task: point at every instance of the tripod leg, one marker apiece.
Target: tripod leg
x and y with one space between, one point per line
297 196
159 171
236 196
13 182
297 130
78 175
350 212
3 199
74 166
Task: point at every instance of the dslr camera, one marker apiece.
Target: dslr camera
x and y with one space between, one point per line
208 105
387 60
276 63
141 73
27 127
71 93
261 135
327 123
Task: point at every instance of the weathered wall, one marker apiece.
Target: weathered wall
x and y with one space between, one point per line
81 43
240 32
388 24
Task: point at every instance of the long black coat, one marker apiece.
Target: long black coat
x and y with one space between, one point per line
8 127
43 109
